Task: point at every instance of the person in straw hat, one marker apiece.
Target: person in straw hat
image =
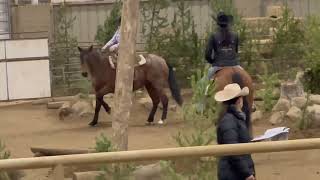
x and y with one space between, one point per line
232 129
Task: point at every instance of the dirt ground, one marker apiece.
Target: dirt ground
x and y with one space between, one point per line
23 126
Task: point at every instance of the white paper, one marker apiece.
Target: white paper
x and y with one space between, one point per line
272 133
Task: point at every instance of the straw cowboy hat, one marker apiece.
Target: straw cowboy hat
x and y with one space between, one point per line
231 91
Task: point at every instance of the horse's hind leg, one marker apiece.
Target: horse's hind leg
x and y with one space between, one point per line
106 106
96 112
155 101
164 100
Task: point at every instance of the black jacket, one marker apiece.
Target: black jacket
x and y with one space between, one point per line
232 129
219 53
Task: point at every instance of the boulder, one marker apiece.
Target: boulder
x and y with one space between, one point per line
145 102
314 99
290 90
313 112
282 105
299 102
294 113
83 108
148 172
257 115
277 117
65 110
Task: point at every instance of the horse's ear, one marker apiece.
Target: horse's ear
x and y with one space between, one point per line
80 49
90 48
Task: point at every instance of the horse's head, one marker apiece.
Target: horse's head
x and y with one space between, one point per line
85 56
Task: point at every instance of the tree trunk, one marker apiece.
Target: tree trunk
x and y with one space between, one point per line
125 71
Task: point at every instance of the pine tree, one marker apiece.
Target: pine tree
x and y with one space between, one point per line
153 23
64 45
106 31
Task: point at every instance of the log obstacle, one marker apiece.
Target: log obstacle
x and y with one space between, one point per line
55 105
38 152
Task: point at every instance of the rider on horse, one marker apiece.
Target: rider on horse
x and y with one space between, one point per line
222 48
113 47
113 43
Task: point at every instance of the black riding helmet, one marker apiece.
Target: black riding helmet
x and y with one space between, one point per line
224 20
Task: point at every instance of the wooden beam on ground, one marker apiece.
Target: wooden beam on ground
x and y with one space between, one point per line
125 71
56 152
55 105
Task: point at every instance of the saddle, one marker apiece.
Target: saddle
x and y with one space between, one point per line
140 60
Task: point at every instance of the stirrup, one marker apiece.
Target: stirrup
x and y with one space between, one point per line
111 62
142 60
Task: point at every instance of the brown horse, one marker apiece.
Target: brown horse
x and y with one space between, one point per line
229 75
155 75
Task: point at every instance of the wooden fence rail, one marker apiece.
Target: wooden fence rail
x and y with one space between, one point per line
57 162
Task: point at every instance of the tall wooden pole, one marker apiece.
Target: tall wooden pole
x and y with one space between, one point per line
125 71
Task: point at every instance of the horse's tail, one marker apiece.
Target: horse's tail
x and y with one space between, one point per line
236 78
174 87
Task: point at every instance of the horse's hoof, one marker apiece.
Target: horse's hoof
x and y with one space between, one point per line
161 122
92 124
109 111
150 123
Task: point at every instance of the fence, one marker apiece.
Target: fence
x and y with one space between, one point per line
18 61
57 162
66 80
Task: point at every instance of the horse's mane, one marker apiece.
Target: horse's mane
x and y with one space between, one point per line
96 63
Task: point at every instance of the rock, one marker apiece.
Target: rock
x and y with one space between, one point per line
82 108
139 93
282 105
149 172
65 110
277 118
256 116
313 112
290 90
276 92
314 99
294 113
299 102
173 108
299 78
109 96
145 102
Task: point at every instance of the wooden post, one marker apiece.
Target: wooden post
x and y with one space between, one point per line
58 172
125 71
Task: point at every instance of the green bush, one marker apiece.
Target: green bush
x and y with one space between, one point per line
269 83
176 41
153 25
288 40
200 116
312 55
113 171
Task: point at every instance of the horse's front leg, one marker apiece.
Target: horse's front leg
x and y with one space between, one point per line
96 112
103 91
